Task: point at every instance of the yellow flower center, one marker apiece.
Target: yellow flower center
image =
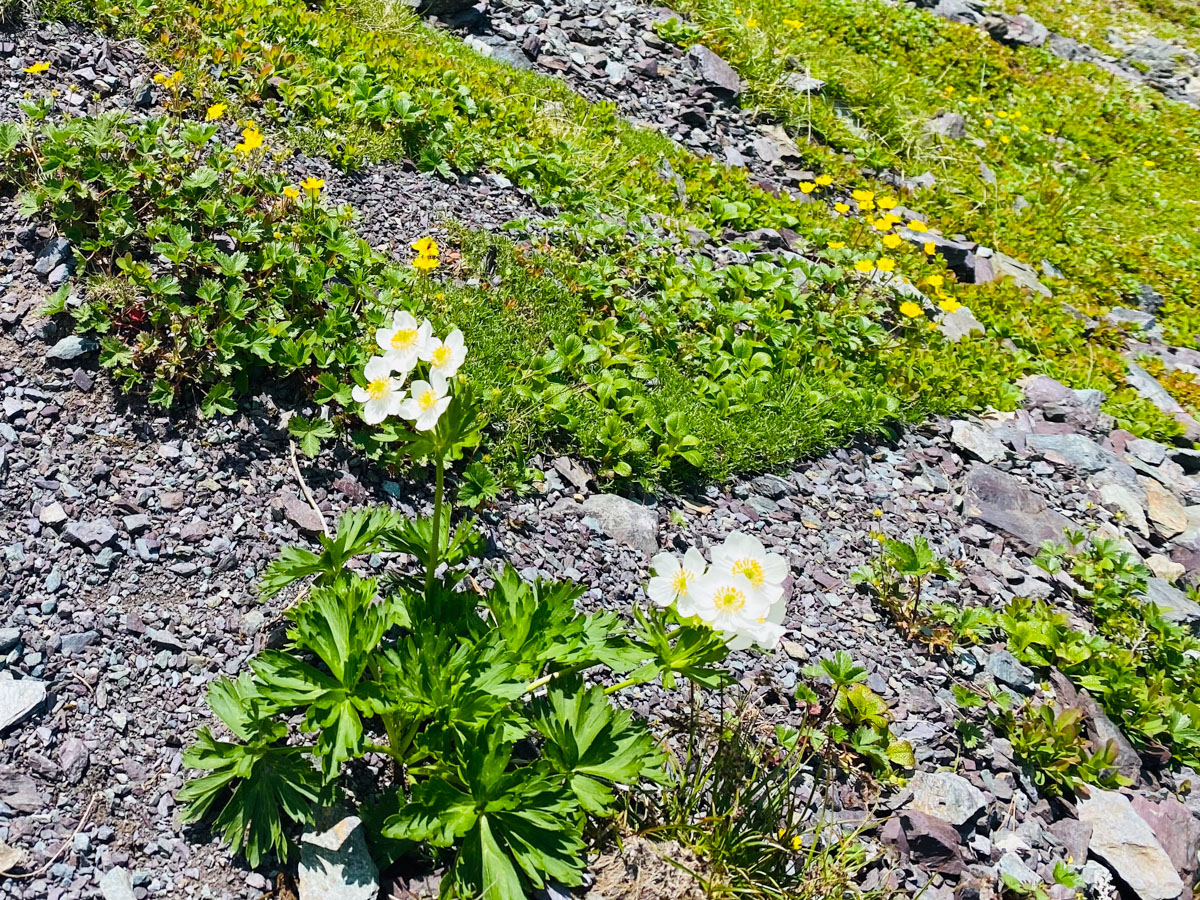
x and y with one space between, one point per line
679 584
379 388
729 599
403 338
427 401
752 569
441 356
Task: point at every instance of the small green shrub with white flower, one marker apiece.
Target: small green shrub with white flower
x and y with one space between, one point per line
494 707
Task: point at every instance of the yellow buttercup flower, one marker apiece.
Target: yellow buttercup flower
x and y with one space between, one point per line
312 186
836 245
807 187
887 202
862 196
752 22
949 304
935 281
215 112
1148 163
426 246
918 227
865 266
930 248
426 263
824 180
892 241
793 23
842 207
911 310
1004 139
37 68
291 192
885 264
252 139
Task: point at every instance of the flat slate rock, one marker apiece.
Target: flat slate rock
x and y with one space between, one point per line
946 796
1125 842
18 699
1004 502
336 864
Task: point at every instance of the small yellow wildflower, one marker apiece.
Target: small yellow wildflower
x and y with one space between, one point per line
892 241
865 266
842 207
836 245
988 122
425 263
215 112
1022 128
291 192
949 304
752 22
824 180
1001 114
1148 163
911 310
862 196
252 139
793 23
1004 138
312 186
426 246
887 202
935 281
883 224
37 68
866 205
807 187
919 227
885 264
797 843
930 248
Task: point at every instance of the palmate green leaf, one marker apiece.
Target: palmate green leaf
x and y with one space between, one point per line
594 745
255 789
309 433
692 651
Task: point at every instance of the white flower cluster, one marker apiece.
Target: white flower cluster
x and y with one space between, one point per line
403 345
740 595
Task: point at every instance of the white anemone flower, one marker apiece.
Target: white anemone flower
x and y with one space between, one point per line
426 405
744 554
384 395
673 579
405 342
444 357
731 605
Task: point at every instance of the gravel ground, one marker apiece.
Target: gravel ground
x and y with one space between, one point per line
130 543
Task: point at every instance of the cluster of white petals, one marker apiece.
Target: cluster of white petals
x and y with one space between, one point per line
739 595
405 345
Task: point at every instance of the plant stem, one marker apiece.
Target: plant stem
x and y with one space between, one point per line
434 549
628 682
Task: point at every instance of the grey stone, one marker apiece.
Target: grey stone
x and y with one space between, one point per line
1151 452
300 514
73 758
1020 30
52 514
336 864
1014 867
1074 836
117 884
90 535
959 324
1005 266
1123 499
1010 671
804 84
976 441
714 71
1175 604
948 124
1002 501
70 644
946 796
1120 316
70 348
1166 513
926 840
1123 840
573 472
624 521
1073 450
1176 829
18 699
53 255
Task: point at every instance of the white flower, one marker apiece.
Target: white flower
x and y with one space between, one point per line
383 396
744 554
730 605
426 405
673 579
404 342
444 357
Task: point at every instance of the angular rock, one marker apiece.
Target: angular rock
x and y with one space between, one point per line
948 125
1010 671
624 521
1060 403
1073 450
945 796
71 348
1126 843
54 254
1123 499
1074 836
803 84
90 535
1175 604
714 71
300 514
573 472
19 791
1016 31
1177 831
959 324
1166 512
336 864
18 699
976 441
117 884
1004 502
925 840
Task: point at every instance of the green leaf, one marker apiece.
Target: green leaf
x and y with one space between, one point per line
220 400
309 433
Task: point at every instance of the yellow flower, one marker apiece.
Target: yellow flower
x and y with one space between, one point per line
1004 138
882 224
807 187
863 196
842 207
1148 163
793 23
911 310
291 192
1022 128
866 205
159 78
752 22
824 180
887 202
949 304
425 263
252 139
1001 114
885 264
797 843
988 122
836 245
864 266
930 248
37 68
892 241
215 112
312 186
426 246
935 281
918 227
